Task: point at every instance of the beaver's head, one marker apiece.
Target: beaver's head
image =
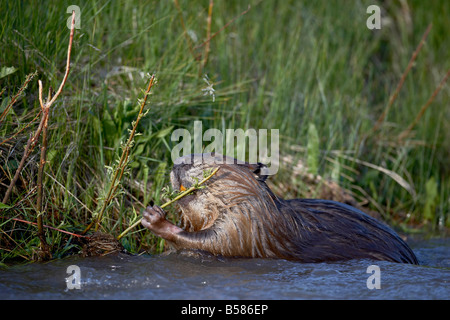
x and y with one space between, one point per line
235 192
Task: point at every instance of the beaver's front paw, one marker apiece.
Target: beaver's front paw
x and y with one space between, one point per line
153 218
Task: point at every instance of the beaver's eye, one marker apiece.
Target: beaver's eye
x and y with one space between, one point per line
182 188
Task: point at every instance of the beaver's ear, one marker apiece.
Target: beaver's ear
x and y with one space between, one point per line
258 171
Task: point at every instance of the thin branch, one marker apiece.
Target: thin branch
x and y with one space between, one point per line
34 138
14 99
393 175
69 50
402 80
406 132
186 35
45 108
40 95
224 27
19 169
45 248
40 223
46 226
15 134
122 163
208 35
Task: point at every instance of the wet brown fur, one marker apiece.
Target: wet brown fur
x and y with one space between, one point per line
238 215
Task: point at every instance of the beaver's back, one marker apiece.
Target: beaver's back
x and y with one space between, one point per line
334 231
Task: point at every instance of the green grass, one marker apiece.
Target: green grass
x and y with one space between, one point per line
291 65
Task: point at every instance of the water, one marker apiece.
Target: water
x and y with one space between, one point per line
176 276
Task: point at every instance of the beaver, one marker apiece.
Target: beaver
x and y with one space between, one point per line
238 215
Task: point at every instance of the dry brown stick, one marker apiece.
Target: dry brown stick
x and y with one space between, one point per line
186 35
29 147
33 139
221 29
402 80
208 35
14 99
45 248
406 132
17 245
15 134
45 226
69 51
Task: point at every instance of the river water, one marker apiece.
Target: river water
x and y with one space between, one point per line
177 276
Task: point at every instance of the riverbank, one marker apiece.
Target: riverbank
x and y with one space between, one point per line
312 70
